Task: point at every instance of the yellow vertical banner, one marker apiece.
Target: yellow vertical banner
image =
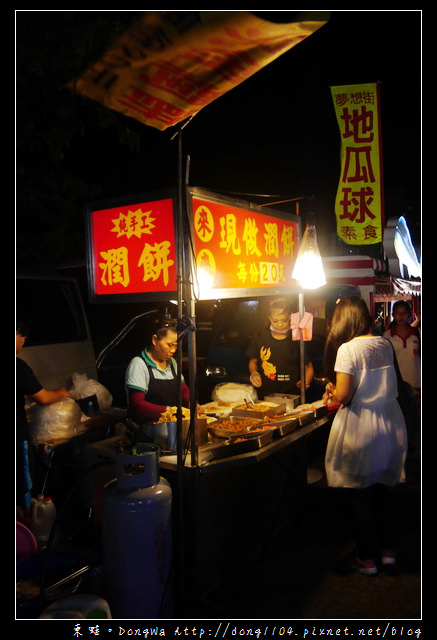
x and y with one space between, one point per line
359 204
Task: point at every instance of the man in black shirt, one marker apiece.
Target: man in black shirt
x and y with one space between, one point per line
27 385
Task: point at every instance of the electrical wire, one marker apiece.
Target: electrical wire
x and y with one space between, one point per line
118 338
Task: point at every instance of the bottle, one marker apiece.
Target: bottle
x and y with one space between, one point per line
90 408
43 518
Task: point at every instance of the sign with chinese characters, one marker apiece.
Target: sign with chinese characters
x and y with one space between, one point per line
132 249
359 204
170 64
241 250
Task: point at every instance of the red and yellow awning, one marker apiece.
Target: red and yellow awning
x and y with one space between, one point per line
170 64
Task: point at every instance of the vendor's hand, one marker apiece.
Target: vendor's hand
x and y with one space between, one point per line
299 384
255 379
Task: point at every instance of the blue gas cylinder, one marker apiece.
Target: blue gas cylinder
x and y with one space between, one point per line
137 537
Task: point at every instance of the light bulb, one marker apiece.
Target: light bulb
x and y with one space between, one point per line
308 268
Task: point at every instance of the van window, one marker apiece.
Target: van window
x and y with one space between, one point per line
52 307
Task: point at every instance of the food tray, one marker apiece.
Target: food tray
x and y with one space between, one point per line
320 411
285 426
291 401
235 446
260 409
305 417
217 409
233 426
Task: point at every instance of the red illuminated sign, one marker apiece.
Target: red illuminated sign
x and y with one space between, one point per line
242 248
132 248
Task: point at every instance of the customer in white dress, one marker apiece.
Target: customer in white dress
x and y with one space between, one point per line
367 445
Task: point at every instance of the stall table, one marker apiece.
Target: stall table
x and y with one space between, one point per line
233 509
63 467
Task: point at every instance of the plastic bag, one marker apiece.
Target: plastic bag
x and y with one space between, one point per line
60 420
84 387
234 392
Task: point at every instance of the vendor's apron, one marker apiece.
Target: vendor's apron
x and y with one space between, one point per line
162 392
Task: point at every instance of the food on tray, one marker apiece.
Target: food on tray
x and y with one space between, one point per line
237 425
254 407
171 414
309 407
212 407
276 418
302 407
259 409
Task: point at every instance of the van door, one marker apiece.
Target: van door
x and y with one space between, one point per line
60 342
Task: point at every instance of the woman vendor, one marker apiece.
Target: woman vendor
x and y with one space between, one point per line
151 378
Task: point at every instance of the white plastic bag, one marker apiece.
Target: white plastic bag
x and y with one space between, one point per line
84 387
233 392
60 420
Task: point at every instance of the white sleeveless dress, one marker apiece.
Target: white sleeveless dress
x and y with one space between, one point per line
368 439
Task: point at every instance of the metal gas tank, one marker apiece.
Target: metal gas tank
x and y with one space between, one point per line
137 537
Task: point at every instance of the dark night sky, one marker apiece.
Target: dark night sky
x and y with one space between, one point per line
277 134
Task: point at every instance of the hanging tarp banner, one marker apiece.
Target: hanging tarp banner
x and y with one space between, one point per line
359 204
239 249
132 249
170 64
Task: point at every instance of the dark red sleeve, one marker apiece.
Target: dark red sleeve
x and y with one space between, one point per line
185 394
142 411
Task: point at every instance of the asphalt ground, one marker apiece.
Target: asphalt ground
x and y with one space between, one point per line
303 574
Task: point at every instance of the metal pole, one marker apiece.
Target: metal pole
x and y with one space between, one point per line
180 241
180 545
302 350
192 356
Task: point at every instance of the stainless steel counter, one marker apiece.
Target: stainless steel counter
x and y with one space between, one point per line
208 464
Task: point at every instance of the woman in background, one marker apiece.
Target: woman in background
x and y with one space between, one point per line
405 339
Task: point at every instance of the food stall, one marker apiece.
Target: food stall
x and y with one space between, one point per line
224 478
160 246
